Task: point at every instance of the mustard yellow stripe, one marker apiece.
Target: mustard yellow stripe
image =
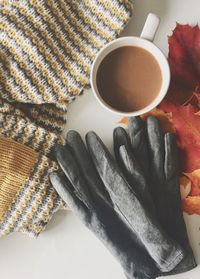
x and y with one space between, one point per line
8 122
101 16
4 4
54 112
67 26
23 86
49 116
122 15
62 39
42 48
38 64
85 18
128 4
40 199
72 36
35 139
37 24
51 121
34 58
13 164
14 94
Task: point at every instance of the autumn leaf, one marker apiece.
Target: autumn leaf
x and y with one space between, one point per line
190 192
184 61
191 205
187 128
185 186
123 120
195 99
164 118
194 177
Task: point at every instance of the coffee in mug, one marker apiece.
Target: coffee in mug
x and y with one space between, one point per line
129 78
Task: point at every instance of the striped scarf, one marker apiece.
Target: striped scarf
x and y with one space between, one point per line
46 51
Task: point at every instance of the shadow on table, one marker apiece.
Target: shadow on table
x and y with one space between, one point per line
57 219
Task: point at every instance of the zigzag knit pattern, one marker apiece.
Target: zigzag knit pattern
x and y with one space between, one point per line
46 51
47 48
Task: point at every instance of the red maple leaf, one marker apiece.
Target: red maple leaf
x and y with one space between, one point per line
184 61
187 128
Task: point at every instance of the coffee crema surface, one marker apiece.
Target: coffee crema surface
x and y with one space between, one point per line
129 78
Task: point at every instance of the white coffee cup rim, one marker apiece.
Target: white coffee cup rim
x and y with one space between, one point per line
147 45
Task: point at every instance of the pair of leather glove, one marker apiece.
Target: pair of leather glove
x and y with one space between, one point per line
132 204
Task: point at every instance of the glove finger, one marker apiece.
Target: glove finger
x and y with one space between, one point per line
66 191
138 138
105 165
171 160
120 138
72 171
156 148
85 163
136 178
131 169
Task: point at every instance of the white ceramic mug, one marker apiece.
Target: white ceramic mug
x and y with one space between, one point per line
144 41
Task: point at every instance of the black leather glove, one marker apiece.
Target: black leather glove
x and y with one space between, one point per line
153 156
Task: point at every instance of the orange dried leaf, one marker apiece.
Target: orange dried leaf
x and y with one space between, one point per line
191 205
187 128
195 179
164 118
123 120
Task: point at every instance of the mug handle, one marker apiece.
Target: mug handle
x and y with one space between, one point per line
150 27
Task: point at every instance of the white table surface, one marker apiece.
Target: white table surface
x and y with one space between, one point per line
67 250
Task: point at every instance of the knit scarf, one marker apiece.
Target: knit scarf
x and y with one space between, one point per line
46 51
